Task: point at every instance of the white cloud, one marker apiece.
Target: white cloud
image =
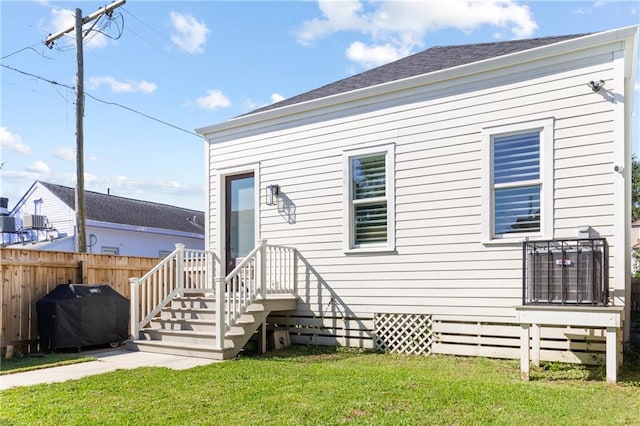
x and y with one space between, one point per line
371 56
214 99
395 27
39 167
116 86
64 153
337 16
251 104
277 97
140 188
13 142
189 34
62 19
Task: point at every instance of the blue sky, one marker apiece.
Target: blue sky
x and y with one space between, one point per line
193 64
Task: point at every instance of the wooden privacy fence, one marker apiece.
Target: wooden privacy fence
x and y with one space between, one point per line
28 275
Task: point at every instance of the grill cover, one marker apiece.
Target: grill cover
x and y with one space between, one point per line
78 315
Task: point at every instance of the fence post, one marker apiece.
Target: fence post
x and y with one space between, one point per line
262 265
180 268
220 317
134 284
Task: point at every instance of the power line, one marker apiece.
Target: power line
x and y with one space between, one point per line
38 77
142 114
147 25
26 48
102 100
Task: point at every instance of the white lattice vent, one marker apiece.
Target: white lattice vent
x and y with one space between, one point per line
410 334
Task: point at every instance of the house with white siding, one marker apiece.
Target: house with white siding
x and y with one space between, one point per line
463 200
45 219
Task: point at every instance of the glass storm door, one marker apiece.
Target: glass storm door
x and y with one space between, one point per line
240 218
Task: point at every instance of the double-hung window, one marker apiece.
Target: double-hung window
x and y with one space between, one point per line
518 179
369 200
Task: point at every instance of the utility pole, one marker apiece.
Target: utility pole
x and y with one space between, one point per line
80 204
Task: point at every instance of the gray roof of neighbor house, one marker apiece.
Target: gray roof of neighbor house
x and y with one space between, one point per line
127 211
430 60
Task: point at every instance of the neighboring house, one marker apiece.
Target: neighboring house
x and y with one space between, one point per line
45 220
409 189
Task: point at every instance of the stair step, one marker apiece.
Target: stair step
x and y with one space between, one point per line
188 327
183 324
179 336
189 313
172 348
201 302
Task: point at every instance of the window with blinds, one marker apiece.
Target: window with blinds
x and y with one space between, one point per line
369 199
516 183
368 180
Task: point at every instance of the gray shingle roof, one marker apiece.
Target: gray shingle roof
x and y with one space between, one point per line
127 211
430 60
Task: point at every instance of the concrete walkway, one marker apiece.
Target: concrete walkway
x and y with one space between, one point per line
106 361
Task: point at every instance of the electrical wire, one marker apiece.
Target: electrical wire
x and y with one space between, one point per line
110 18
26 48
103 101
142 114
147 25
38 77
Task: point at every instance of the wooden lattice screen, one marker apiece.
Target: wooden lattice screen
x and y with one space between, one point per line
410 334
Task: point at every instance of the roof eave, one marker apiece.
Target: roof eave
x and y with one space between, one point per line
563 47
141 228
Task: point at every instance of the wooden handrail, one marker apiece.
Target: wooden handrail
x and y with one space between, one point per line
267 269
169 278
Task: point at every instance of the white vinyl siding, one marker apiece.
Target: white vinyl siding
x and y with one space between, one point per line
518 181
440 265
368 194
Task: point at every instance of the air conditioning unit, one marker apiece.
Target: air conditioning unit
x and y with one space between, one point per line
7 224
33 221
566 272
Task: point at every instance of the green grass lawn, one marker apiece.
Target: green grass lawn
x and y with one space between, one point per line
309 386
36 362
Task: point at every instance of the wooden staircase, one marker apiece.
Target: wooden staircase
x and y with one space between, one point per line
184 306
187 326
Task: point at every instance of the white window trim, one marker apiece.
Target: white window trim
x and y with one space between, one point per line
546 128
348 230
220 176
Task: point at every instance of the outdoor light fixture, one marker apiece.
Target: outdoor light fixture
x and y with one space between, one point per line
273 192
596 85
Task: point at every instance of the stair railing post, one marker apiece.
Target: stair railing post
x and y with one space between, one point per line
262 265
211 270
295 271
134 286
180 268
220 310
